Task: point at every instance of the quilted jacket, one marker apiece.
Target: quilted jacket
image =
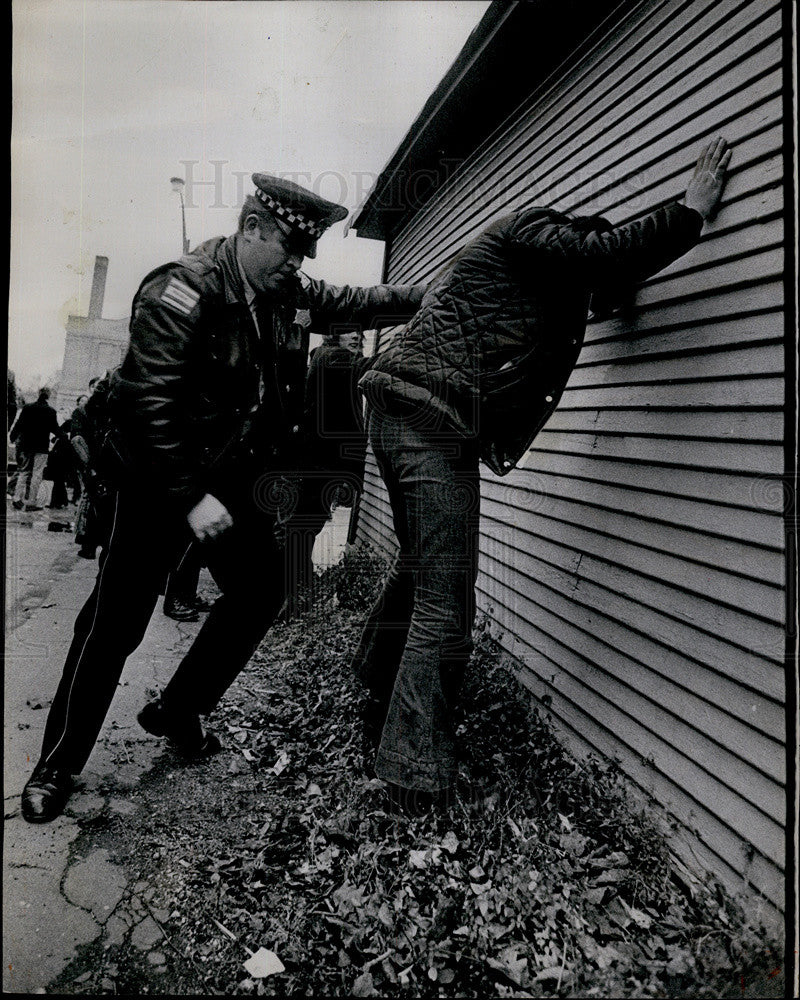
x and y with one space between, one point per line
198 387
501 326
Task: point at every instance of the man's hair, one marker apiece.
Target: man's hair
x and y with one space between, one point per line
94 381
44 392
79 398
252 206
335 337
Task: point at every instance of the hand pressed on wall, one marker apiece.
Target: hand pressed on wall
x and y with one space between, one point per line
705 188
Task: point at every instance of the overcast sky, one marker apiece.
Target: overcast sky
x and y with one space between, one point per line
113 97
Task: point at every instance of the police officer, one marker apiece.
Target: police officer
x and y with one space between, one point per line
204 411
334 450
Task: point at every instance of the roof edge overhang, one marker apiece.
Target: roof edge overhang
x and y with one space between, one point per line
368 219
487 81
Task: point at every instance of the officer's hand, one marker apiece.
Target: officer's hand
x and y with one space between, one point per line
209 518
705 187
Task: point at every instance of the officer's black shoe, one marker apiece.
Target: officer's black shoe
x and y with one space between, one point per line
45 794
202 605
183 732
175 608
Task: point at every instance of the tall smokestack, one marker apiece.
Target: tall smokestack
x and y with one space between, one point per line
98 287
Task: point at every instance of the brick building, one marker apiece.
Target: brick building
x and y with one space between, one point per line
93 344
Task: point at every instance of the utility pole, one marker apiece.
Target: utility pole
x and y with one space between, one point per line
177 185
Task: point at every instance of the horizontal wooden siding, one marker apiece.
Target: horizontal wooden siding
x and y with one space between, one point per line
635 560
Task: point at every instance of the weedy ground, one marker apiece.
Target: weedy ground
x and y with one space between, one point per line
547 878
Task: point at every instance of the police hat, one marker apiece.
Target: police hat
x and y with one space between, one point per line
297 207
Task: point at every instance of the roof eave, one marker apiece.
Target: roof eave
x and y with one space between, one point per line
369 219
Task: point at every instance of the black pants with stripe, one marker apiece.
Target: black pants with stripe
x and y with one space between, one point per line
245 562
185 575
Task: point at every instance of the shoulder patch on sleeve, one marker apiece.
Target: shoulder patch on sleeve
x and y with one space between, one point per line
179 297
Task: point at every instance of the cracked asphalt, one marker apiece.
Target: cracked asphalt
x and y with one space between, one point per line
62 891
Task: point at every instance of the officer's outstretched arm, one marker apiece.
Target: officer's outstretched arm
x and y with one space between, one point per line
370 308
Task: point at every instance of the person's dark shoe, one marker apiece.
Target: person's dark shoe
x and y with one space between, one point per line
17 505
183 732
201 605
180 612
85 552
32 507
45 794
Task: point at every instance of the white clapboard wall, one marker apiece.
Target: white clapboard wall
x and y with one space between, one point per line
635 560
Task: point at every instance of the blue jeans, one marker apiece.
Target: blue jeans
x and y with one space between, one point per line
417 640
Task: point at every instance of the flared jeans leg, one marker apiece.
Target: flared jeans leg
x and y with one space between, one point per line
417 641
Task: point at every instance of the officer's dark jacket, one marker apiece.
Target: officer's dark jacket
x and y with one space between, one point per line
332 414
500 328
186 398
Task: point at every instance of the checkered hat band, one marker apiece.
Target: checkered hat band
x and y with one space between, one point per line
293 218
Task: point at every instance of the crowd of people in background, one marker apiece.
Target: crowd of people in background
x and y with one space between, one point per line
67 454
31 434
44 450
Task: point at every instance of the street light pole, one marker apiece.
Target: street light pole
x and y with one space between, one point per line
177 185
